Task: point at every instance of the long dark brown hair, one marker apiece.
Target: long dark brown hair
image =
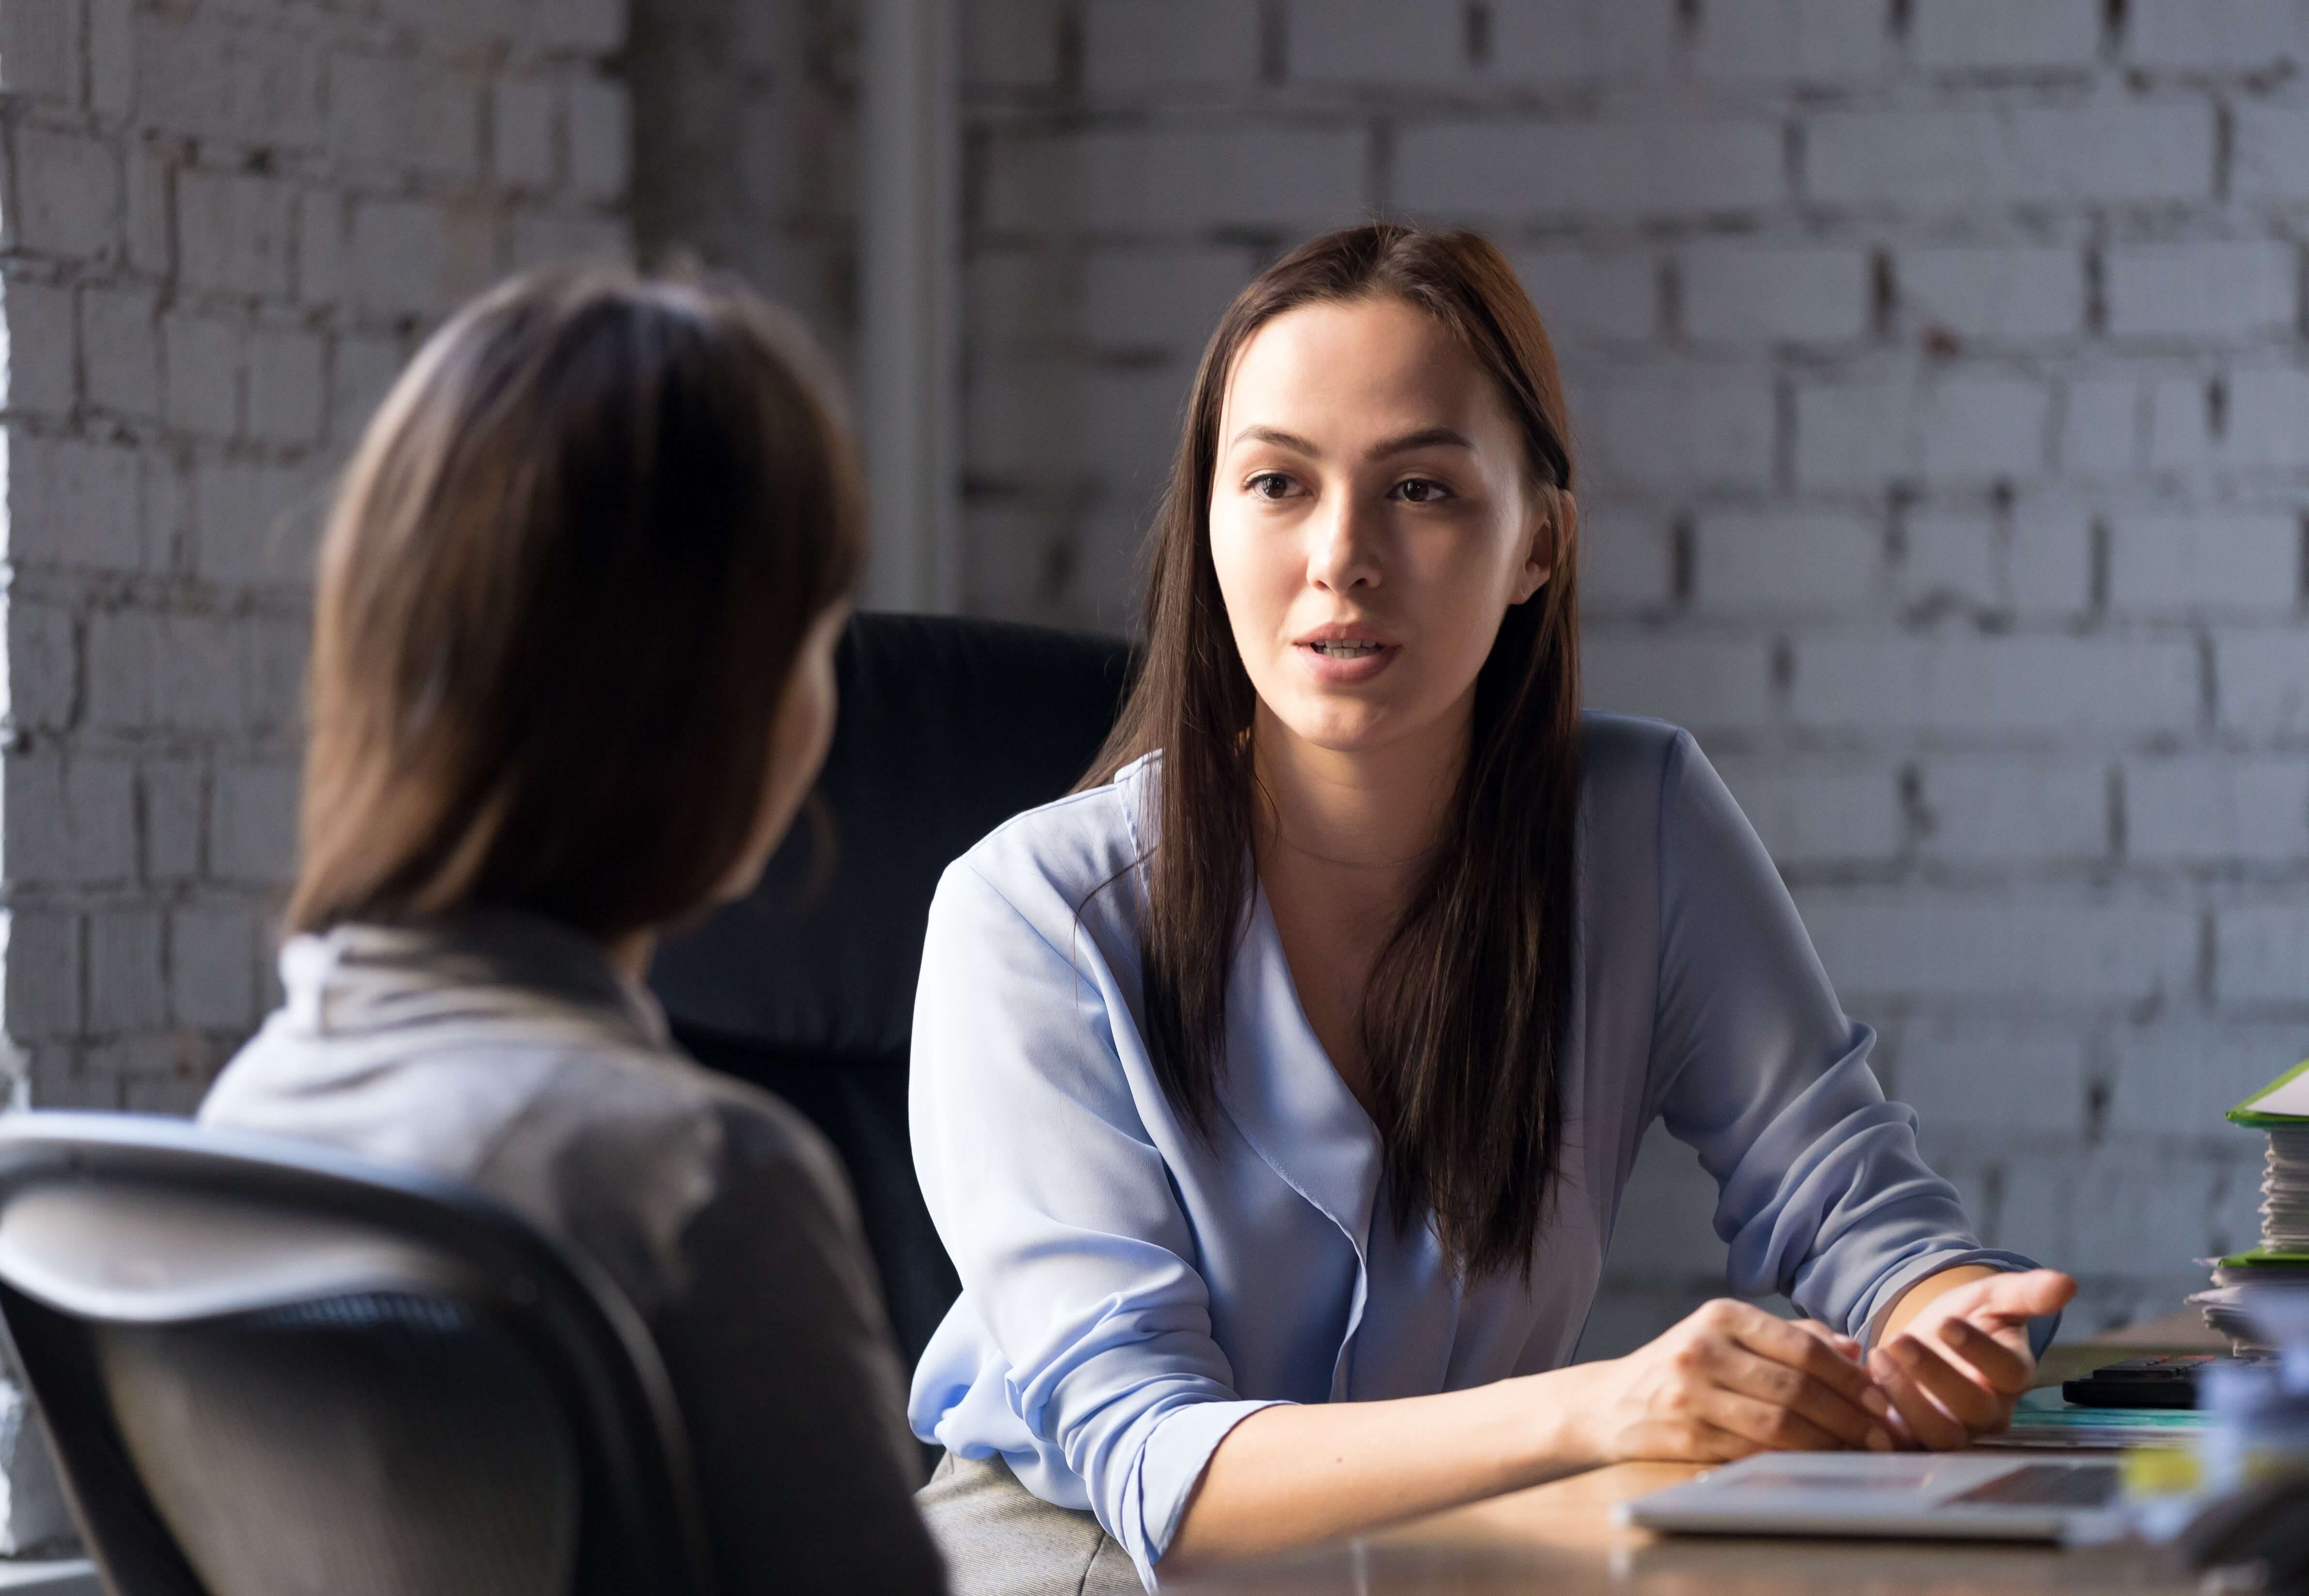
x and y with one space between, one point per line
567 574
1463 1020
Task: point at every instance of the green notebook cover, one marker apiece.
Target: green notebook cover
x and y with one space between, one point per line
2259 1256
2290 1091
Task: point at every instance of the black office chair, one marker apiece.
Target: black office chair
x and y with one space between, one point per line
947 728
268 1367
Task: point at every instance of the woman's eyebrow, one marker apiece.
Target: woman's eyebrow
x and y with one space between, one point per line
1426 438
1280 438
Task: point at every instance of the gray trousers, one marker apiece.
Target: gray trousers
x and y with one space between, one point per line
1001 1539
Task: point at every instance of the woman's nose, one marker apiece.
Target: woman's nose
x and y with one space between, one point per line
1344 552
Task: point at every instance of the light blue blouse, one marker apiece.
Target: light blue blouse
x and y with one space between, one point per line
1131 1291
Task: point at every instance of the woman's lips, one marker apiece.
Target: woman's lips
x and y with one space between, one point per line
1346 663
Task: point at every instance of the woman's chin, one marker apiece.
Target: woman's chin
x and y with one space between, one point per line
1343 729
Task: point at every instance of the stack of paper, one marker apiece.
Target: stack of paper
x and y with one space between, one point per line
2281 1109
2285 1191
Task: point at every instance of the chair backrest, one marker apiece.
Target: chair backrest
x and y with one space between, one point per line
947 728
268 1367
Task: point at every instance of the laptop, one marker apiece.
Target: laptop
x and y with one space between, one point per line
1932 1496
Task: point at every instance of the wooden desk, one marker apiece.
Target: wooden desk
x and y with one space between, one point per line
1559 1540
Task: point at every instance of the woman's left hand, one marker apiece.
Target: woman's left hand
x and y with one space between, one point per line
1954 1369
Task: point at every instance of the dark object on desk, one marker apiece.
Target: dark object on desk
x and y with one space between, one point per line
2256 1538
947 728
2167 1380
265 1368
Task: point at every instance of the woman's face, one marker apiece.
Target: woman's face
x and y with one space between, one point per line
798 739
1371 520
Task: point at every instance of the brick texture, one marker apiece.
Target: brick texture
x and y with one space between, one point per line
232 223
228 223
742 139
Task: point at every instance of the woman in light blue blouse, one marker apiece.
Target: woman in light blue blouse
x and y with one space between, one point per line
1274 1095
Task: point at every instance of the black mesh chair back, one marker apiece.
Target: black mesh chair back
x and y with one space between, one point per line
270 1370
947 728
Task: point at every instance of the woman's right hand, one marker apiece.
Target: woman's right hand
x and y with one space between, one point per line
1728 1381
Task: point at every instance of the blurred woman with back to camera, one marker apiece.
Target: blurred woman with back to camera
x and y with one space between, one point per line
572 677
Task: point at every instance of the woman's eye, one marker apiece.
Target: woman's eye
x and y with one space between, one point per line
1270 485
1420 491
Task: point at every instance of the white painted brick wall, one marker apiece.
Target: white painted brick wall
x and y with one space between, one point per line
2028 686
1991 34
1939 378
2211 291
1696 423
2263 948
1553 41
520 133
1187 180
1764 562
598 118
1976 428
1876 948
1993 293
1948 557
2272 141
1593 296
2204 561
229 220
2251 810
1748 295
1819 811
1777 41
1959 159
1627 563
1976 1079
1161 302
2016 810
1132 47
2104 428
2263 678
2220 34
1717 683
1375 41
1514 172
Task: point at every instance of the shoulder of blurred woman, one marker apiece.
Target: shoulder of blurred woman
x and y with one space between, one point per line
551 1084
626 1149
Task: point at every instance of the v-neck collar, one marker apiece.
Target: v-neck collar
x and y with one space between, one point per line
1289 1101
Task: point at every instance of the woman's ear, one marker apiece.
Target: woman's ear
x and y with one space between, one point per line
1555 532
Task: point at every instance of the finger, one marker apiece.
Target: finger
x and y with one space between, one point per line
1851 1424
1711 1443
1801 1350
1925 1423
1769 1426
1951 1387
1956 1388
1839 1343
2005 1369
2016 1298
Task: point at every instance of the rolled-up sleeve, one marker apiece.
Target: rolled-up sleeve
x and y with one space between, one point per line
1055 1202
1823 1196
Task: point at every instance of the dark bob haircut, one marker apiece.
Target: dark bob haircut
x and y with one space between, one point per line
566 578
